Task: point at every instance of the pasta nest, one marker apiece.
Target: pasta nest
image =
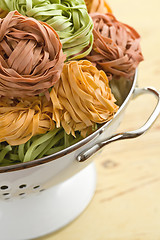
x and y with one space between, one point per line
82 98
116 47
20 119
31 57
70 19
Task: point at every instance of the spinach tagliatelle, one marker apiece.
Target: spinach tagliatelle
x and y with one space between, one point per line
37 147
69 18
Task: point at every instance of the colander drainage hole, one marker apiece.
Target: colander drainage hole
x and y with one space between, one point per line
41 190
21 194
5 194
4 187
35 187
23 186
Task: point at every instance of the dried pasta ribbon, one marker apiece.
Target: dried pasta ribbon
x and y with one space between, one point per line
82 98
31 57
100 6
116 47
20 119
70 19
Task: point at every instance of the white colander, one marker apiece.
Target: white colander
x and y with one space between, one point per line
43 195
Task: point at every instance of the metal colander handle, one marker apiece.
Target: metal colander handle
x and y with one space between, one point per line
130 134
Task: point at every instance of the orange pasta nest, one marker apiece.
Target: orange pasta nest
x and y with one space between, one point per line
31 57
116 47
20 119
100 6
82 98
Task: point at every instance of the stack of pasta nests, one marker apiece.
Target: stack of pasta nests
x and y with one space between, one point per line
56 61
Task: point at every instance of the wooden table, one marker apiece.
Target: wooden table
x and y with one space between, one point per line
126 205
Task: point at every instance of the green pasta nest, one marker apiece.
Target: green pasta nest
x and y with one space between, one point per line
37 147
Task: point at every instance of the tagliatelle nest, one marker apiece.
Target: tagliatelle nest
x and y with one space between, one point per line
100 6
82 98
69 19
20 119
116 47
31 57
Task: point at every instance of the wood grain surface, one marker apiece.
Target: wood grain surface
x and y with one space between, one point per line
126 205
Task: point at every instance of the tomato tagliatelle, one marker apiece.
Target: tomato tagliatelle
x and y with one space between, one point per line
70 19
116 47
81 98
31 57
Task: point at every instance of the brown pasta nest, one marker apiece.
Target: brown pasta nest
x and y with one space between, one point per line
116 47
31 57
